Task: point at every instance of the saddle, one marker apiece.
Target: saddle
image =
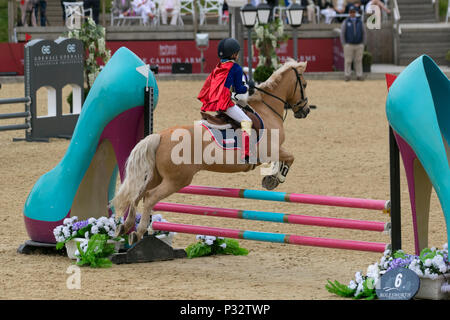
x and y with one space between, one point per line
222 121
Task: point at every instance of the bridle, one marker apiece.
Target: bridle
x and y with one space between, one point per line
296 108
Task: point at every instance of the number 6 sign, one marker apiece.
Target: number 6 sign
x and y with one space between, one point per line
398 284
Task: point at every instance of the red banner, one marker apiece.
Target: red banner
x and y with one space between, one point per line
322 54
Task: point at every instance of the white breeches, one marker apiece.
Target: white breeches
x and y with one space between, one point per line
237 114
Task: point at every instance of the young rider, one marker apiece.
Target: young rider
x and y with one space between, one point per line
225 80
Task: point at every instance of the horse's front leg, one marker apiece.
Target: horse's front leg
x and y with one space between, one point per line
286 159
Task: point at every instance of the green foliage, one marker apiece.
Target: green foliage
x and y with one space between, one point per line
97 252
3 20
443 8
339 289
219 246
368 292
262 73
447 56
367 58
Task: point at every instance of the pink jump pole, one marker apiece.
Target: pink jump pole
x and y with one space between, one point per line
271 237
273 217
369 204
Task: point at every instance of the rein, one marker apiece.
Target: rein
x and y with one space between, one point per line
287 105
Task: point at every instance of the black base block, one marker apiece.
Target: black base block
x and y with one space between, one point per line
148 249
30 247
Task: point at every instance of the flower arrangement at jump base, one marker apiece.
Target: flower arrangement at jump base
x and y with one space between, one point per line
431 264
89 241
211 245
92 241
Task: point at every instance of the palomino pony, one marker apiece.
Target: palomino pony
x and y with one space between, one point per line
152 175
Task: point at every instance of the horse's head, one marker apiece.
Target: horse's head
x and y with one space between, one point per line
297 99
287 85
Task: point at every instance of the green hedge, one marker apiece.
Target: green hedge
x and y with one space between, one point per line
3 20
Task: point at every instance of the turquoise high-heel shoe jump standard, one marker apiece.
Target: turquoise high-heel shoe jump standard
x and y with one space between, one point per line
418 110
109 126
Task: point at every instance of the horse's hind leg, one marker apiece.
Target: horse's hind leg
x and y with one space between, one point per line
131 217
129 222
163 190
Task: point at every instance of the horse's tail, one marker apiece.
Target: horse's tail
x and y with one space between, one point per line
138 173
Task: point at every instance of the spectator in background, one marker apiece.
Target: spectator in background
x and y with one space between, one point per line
355 3
95 6
42 6
353 37
225 11
170 8
144 8
26 9
310 9
339 6
378 3
121 7
255 2
272 4
328 12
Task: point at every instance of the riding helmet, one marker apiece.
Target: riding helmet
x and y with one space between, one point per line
227 47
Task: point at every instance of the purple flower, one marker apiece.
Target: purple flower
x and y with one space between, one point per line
400 262
79 225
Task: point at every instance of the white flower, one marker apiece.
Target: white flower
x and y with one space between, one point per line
67 221
414 266
209 242
111 233
373 271
86 235
57 230
359 289
223 245
358 277
94 230
428 263
92 220
212 238
199 237
66 232
84 244
352 285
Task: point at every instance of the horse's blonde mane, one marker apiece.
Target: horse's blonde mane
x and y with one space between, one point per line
277 75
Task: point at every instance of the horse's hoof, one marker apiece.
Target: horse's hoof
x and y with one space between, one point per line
133 238
270 182
120 230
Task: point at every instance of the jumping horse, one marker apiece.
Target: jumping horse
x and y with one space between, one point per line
152 174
